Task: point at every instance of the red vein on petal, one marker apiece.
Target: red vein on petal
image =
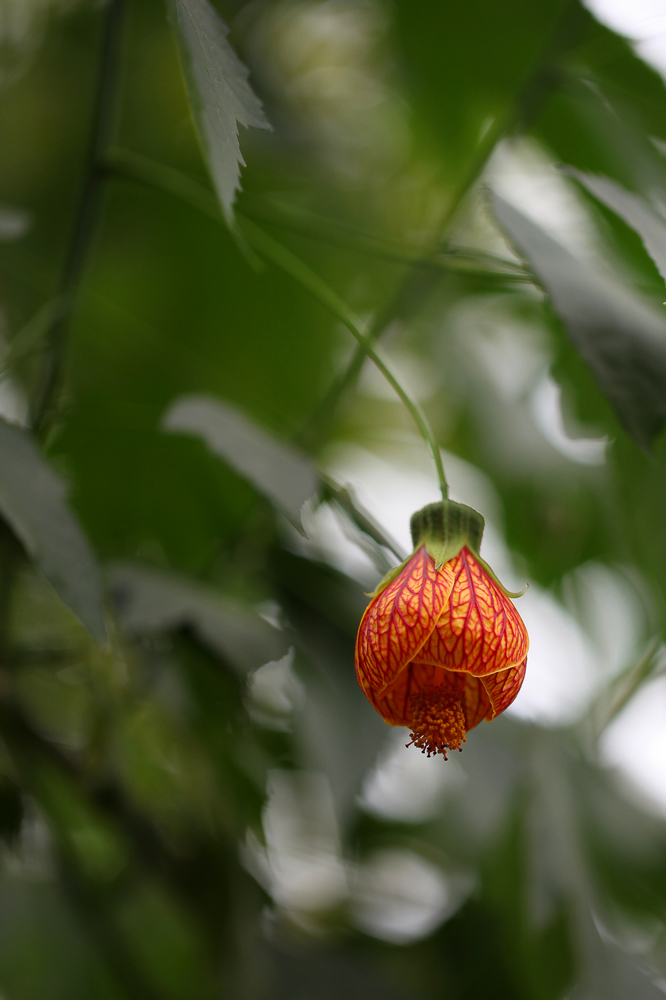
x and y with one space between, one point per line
480 631
399 620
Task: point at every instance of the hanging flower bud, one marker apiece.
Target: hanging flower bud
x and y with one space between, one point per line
441 646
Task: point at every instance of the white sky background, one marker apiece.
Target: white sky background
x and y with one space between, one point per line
643 21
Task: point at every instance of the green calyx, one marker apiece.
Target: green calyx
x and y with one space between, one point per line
445 527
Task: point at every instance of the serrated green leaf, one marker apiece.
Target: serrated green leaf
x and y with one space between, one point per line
622 339
219 92
606 107
279 472
33 502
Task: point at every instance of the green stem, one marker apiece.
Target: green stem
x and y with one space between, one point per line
300 272
484 150
87 216
325 230
52 320
317 425
344 383
30 338
140 168
135 166
343 497
172 181
620 692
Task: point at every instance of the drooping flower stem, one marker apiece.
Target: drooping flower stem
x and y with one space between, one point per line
300 272
158 175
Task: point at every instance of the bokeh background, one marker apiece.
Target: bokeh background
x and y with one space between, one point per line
196 800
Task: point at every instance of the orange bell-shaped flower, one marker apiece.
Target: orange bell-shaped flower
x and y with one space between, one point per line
441 646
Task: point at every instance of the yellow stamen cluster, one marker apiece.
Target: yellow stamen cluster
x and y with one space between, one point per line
437 720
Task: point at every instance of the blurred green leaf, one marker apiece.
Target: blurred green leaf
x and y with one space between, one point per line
141 768
619 336
278 470
466 64
640 482
33 501
149 601
179 312
600 104
219 91
616 66
615 976
302 973
166 943
164 769
36 919
87 838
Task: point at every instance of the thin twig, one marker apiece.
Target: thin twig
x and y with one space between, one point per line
300 272
135 166
498 128
87 215
346 501
618 693
55 314
175 183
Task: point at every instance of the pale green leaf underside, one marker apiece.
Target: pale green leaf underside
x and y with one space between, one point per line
149 601
280 472
33 503
220 94
621 336
634 210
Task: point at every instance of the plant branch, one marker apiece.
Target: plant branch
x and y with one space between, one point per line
172 181
49 325
326 230
300 272
343 497
347 379
87 216
618 693
482 266
314 430
498 128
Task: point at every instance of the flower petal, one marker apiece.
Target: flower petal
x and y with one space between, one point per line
503 687
480 630
477 704
399 620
